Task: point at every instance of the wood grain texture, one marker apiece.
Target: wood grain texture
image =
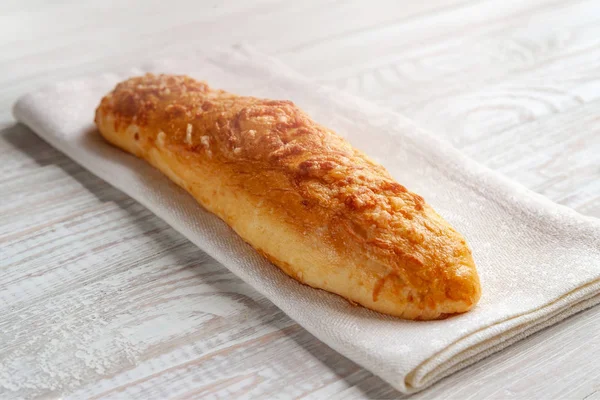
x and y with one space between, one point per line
99 298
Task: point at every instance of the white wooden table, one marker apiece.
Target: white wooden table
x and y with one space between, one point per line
99 298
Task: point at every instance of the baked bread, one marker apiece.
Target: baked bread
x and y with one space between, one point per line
301 195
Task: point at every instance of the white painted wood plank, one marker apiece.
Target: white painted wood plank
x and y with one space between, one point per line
557 156
38 52
508 31
474 83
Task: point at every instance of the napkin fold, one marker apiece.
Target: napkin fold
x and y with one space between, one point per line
539 262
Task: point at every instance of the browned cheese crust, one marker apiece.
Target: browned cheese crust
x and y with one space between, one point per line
300 194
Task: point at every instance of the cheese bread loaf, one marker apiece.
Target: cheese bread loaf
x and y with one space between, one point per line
301 195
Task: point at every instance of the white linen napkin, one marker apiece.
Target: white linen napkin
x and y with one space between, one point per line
538 262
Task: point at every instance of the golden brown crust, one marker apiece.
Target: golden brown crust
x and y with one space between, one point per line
397 249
